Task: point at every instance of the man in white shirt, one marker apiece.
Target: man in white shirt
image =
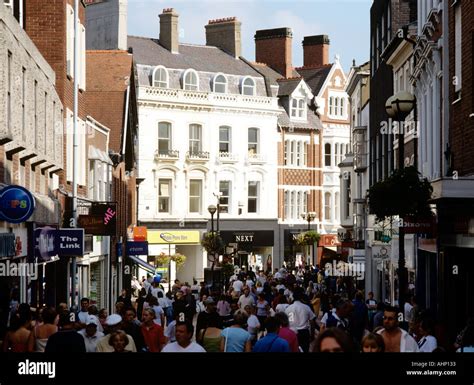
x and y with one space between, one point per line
183 344
245 299
237 286
395 338
428 342
83 315
90 334
408 310
301 319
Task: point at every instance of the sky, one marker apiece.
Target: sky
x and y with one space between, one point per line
346 22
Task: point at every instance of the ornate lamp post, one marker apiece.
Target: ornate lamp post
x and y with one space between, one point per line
399 107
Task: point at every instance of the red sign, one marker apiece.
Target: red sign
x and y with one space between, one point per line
139 233
328 240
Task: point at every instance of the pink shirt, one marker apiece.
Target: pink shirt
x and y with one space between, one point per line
290 336
223 308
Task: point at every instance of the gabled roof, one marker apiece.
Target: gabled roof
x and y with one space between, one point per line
315 76
148 51
287 86
312 123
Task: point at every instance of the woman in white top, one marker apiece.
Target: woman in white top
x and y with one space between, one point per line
253 324
41 332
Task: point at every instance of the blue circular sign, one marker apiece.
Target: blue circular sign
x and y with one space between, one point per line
16 204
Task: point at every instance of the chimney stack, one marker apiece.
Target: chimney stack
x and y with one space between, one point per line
273 47
169 30
225 34
316 50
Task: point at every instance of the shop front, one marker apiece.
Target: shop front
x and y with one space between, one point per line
251 248
187 260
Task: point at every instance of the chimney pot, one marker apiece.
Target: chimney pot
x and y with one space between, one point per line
316 50
225 33
169 30
273 47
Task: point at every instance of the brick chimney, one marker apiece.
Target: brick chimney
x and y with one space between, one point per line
169 30
225 34
316 50
273 47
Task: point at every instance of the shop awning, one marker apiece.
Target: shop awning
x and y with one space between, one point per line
143 264
332 248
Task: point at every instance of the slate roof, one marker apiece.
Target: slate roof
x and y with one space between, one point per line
315 76
148 51
312 122
287 86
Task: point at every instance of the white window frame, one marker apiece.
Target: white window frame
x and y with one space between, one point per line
298 111
327 206
229 141
257 143
247 86
169 181
326 154
163 138
253 197
215 82
190 86
199 197
160 83
228 196
193 140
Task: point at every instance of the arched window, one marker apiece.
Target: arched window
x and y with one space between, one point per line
220 84
327 206
190 80
160 77
327 154
248 87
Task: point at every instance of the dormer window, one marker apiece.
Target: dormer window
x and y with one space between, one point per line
220 84
190 80
298 108
248 87
160 77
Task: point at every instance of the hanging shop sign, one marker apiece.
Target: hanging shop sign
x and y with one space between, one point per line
62 242
140 233
16 204
102 219
137 248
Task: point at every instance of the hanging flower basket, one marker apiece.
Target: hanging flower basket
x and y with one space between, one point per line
213 243
403 193
164 259
307 238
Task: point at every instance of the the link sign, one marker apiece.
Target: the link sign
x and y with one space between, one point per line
62 242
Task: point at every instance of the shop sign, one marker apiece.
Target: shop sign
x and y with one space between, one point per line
413 225
140 233
380 252
16 204
62 242
248 238
329 240
102 219
137 248
173 237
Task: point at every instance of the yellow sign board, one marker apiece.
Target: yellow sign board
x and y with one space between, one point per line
173 237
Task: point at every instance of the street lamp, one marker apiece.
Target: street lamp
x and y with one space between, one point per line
212 210
399 107
309 217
